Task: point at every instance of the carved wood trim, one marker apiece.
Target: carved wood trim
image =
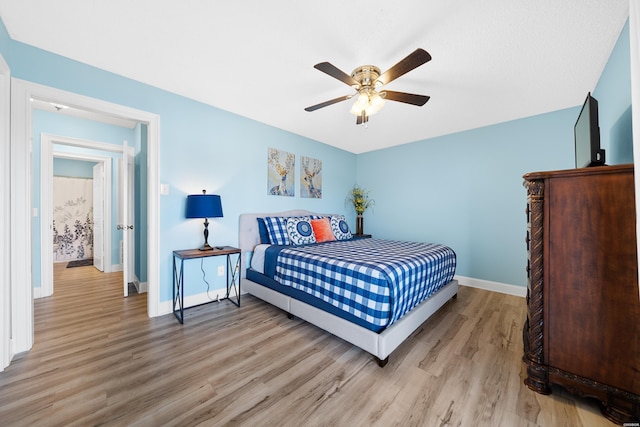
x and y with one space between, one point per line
619 406
584 386
535 190
534 327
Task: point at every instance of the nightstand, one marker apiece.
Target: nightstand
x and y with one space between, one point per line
361 236
233 274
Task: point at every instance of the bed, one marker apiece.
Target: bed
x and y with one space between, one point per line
366 302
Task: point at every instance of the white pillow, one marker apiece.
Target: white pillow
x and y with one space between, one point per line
300 230
340 227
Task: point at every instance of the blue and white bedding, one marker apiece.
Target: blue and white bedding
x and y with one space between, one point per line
375 281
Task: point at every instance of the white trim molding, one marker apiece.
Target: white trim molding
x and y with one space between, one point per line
21 280
634 42
142 286
503 288
6 352
166 307
21 142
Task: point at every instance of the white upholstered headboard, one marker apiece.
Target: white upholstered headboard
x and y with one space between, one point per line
248 234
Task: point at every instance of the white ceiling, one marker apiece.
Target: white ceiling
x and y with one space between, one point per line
493 60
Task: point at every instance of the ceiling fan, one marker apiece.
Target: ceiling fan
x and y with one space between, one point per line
367 81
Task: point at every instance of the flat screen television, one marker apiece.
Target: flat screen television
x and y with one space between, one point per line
587 135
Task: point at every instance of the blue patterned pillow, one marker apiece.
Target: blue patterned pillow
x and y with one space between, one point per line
300 230
340 227
277 230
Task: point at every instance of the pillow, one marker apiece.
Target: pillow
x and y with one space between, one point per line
277 230
262 229
340 228
322 230
300 230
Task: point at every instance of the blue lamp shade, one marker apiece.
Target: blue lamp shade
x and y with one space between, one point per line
204 206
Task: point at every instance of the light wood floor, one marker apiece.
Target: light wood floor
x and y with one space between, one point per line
99 360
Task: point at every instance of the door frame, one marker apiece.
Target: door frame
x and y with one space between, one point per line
6 346
21 145
48 153
126 216
634 41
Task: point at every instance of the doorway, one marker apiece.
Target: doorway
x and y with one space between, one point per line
110 254
21 213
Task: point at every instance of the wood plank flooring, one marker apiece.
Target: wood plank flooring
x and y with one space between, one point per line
99 360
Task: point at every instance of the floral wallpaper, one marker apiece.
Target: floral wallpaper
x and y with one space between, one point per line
72 218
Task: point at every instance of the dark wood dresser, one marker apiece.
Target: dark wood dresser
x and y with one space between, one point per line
583 322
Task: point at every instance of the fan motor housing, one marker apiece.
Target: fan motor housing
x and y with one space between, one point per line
366 75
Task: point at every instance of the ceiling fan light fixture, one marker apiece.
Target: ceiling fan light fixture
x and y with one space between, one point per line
361 103
368 101
376 102
367 79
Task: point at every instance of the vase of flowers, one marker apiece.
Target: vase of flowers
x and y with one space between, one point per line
359 198
359 224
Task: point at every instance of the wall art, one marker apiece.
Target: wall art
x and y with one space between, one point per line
310 177
280 176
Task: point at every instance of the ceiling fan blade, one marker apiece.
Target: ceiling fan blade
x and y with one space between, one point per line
413 60
336 73
327 103
407 98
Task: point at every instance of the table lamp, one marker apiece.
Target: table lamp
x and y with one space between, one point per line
204 206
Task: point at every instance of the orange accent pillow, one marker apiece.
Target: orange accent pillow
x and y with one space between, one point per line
322 230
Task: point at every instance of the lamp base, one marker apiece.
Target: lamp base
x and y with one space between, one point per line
206 247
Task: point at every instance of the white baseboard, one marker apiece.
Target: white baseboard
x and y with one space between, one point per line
504 288
136 283
116 267
166 307
37 293
142 287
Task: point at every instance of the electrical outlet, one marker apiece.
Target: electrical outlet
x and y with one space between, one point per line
221 270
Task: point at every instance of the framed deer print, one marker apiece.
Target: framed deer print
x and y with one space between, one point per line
280 173
310 177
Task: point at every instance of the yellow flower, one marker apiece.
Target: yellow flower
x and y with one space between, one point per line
359 197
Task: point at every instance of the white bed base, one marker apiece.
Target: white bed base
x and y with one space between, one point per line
381 345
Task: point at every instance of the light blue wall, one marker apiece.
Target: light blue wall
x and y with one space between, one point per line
465 189
73 168
201 147
613 93
61 125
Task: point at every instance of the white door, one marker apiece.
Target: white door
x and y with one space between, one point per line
98 216
126 211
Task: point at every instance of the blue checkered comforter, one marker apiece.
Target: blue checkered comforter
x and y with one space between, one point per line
375 280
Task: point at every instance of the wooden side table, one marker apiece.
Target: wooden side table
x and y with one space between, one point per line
233 274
